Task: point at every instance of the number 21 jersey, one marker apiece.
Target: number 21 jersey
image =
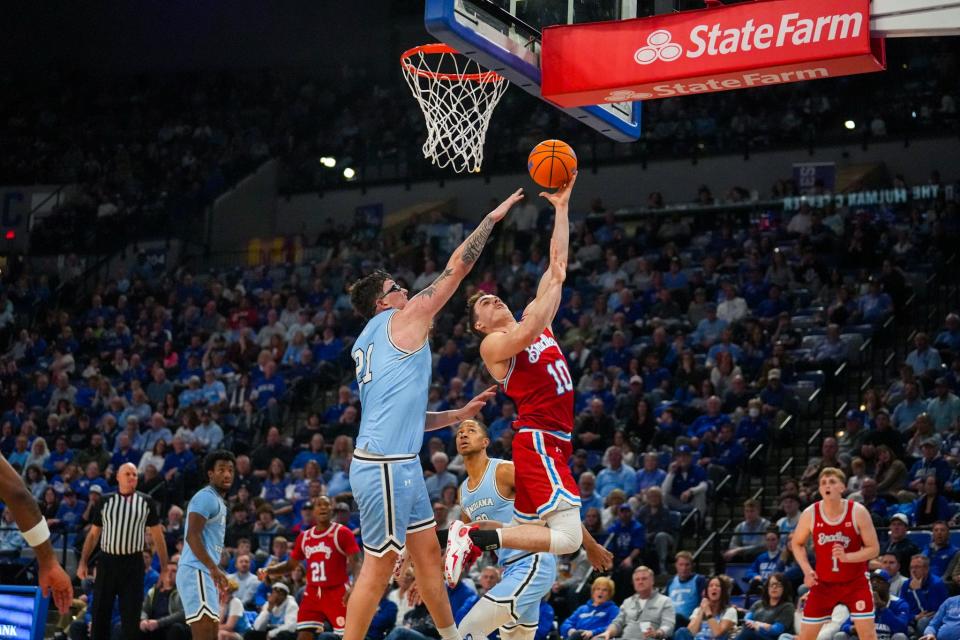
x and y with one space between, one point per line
539 382
325 553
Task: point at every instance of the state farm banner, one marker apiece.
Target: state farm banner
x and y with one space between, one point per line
739 46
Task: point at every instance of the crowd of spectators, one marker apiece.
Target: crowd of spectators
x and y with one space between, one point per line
145 154
690 344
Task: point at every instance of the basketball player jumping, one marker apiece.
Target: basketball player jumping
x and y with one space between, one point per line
486 497
393 369
329 549
526 360
844 541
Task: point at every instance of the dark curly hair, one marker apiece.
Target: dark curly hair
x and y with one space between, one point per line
365 292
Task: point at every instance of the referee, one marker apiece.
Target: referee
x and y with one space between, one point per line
118 522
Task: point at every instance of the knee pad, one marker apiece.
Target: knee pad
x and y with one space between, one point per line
566 533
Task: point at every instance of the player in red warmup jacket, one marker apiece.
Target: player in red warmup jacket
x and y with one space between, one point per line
844 541
332 558
527 361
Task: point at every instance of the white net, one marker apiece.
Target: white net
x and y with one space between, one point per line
457 97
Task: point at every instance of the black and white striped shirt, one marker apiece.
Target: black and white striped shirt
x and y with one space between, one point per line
123 520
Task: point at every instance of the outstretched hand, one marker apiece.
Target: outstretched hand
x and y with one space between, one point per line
498 214
475 405
561 197
53 580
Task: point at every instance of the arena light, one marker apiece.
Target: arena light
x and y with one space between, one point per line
850 125
349 173
328 162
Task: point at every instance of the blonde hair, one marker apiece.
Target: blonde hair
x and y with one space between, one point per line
833 471
603 581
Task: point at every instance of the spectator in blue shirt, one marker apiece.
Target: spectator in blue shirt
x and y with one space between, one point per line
949 338
268 390
686 588
931 464
722 454
158 431
214 392
892 615
449 361
316 451
593 617
588 495
91 478
597 390
709 329
945 625
923 593
940 551
724 345
192 395
176 460
69 512
616 475
617 355
874 306
910 408
712 420
59 457
753 427
769 560
924 360
685 487
770 309
650 475
830 352
125 452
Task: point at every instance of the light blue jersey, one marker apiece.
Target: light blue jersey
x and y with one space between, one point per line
208 503
486 503
527 577
198 593
394 385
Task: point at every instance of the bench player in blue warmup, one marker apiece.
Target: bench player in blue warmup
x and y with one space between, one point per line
486 497
199 577
393 368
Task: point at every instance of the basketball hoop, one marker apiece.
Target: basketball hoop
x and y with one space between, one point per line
457 97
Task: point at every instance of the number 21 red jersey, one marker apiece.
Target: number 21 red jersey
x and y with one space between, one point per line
844 532
539 383
325 553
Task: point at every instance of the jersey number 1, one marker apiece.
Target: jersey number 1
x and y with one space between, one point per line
836 564
561 375
364 362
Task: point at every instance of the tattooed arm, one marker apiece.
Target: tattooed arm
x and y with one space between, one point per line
414 320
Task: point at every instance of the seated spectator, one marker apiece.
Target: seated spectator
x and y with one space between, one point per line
162 616
685 487
869 497
233 620
627 541
768 562
709 421
660 525
829 457
941 551
723 455
594 617
710 329
616 475
279 613
714 618
891 614
931 464
686 589
589 499
923 593
441 478
775 397
732 307
944 407
949 338
899 544
753 427
773 614
595 428
790 505
924 360
910 408
644 615
748 536
830 352
874 306
931 506
651 475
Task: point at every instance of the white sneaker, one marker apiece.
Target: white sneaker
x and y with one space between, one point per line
458 548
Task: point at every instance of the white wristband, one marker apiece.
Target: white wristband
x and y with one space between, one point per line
38 535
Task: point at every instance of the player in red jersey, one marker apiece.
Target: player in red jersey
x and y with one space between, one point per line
332 558
844 541
527 361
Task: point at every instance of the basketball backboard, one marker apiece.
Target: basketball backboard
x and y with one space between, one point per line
505 36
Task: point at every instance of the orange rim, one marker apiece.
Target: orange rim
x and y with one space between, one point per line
438 49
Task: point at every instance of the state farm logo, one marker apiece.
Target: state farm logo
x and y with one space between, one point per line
791 30
626 95
659 47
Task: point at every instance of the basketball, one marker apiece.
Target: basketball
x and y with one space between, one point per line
551 163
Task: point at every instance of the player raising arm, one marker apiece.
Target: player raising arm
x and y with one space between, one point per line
844 541
526 359
393 370
52 579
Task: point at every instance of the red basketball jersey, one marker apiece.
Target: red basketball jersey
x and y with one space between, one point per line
826 534
325 553
539 383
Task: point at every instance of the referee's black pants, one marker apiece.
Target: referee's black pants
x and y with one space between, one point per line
118 577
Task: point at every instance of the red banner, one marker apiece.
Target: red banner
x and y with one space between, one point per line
718 49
